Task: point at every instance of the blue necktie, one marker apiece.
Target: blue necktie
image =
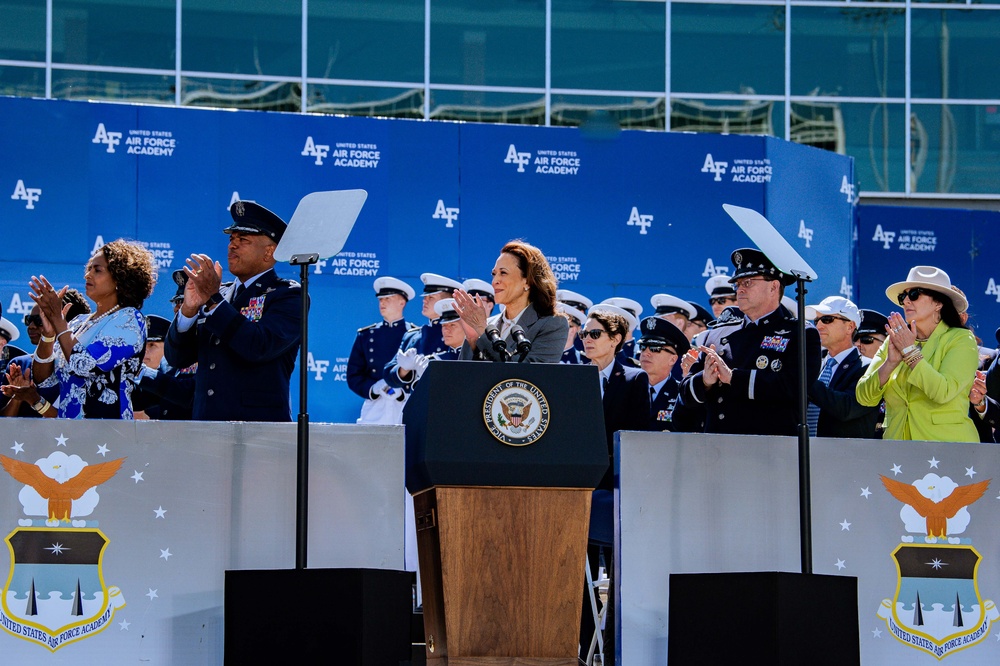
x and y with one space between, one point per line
812 415
239 292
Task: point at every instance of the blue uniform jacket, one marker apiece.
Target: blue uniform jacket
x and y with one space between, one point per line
245 352
374 346
762 398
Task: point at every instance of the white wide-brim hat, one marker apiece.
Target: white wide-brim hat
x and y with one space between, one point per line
928 277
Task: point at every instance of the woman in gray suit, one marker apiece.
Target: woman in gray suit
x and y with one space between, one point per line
524 284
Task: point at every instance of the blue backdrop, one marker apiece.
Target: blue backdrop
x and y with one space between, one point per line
632 215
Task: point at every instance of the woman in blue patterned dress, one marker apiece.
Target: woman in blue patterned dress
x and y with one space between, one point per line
96 359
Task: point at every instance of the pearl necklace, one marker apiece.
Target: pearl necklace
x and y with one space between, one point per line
91 321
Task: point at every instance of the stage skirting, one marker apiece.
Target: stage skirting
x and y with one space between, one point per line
189 501
700 503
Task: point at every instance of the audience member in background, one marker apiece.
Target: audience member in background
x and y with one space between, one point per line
628 354
625 397
482 289
721 294
374 346
24 394
661 345
165 393
96 359
524 284
870 334
571 355
926 368
578 302
427 339
834 410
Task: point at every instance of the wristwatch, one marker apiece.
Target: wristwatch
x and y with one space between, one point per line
215 299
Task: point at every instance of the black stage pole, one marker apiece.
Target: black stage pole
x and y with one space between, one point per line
805 486
302 430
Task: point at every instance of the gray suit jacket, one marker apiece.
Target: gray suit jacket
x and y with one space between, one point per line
547 335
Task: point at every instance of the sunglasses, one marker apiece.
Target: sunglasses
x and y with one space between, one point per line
868 339
35 319
827 319
912 294
721 300
593 334
657 349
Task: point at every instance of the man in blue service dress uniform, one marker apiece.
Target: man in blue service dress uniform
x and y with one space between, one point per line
243 335
747 374
373 347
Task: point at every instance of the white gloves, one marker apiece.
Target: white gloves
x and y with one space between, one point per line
408 360
421 366
377 389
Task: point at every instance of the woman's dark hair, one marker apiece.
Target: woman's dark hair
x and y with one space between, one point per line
949 313
536 270
614 324
133 269
77 302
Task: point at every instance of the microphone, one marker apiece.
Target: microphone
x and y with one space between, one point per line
523 343
499 346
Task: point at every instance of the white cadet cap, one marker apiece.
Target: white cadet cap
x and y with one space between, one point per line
569 310
445 309
633 323
387 286
719 285
434 283
8 330
791 305
573 299
666 304
625 304
478 287
837 306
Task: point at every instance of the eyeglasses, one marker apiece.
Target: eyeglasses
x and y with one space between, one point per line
721 300
912 294
593 334
828 319
746 282
868 339
35 319
657 349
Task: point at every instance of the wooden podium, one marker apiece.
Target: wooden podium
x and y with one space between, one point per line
501 463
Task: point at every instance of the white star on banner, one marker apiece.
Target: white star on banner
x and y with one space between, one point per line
845 526
933 461
841 564
103 449
124 625
152 594
970 472
17 448
160 512
896 470
876 633
138 476
865 493
165 554
61 440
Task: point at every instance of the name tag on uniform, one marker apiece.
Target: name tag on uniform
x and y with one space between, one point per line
775 342
254 309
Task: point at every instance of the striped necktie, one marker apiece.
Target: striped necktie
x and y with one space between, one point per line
812 415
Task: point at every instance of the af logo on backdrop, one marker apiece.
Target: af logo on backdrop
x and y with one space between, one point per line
937 606
55 592
29 195
547 161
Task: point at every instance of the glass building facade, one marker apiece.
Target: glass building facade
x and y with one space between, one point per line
910 89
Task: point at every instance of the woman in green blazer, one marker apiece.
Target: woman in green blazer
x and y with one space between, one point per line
927 364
